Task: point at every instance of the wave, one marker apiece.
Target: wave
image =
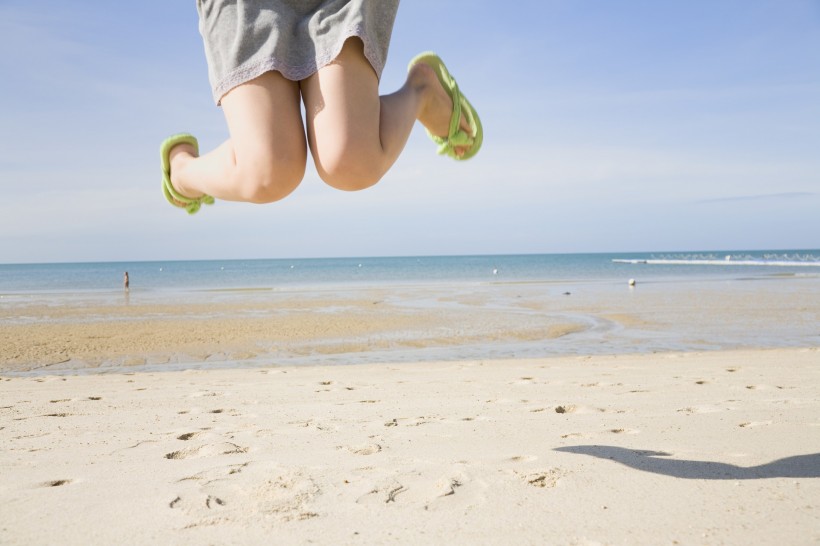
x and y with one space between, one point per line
779 260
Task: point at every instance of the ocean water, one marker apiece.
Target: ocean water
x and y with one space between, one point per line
168 278
447 307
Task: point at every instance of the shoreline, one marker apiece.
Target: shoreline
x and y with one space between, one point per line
386 272
405 323
718 447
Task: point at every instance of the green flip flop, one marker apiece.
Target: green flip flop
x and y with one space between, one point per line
190 204
456 136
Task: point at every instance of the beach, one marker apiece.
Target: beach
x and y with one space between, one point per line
678 448
506 412
249 327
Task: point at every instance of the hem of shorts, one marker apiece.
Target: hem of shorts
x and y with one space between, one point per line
246 73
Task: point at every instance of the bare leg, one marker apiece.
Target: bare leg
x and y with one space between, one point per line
355 136
264 160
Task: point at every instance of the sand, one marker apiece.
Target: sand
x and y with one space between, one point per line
409 323
715 447
500 413
79 335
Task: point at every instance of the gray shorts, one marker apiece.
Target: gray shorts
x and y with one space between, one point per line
246 38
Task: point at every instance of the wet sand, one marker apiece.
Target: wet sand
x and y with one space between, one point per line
490 321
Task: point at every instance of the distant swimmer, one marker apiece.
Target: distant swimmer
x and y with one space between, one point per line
125 281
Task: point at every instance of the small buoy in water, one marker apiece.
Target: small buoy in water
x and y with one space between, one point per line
495 271
631 282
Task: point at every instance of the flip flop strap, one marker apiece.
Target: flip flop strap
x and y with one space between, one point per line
190 204
194 204
456 135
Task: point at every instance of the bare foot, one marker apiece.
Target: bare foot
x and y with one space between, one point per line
178 157
436 105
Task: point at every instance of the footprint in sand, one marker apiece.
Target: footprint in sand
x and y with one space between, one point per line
214 474
311 424
212 502
183 454
452 487
545 479
365 449
446 493
56 483
229 493
204 393
575 434
701 409
751 424
209 450
382 494
523 458
623 431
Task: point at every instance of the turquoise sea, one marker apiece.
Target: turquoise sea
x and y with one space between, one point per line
180 277
419 308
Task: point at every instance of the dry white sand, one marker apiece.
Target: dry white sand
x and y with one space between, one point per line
689 448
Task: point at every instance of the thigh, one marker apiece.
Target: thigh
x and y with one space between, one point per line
265 120
342 105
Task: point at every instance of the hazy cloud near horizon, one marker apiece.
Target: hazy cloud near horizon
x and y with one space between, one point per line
787 196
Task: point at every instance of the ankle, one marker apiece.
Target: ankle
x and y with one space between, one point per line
180 157
422 80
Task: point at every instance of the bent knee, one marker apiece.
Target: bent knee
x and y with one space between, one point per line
350 181
265 184
350 172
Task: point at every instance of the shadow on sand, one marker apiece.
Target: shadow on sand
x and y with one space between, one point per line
658 462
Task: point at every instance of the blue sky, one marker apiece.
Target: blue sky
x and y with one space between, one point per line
609 126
